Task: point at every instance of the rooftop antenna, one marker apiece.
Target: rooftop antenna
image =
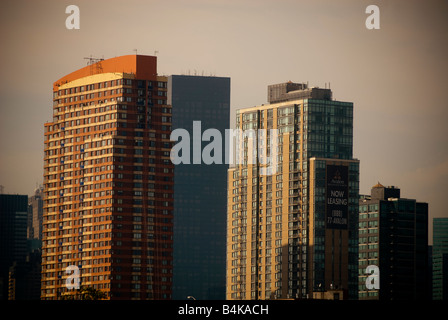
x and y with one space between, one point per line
95 61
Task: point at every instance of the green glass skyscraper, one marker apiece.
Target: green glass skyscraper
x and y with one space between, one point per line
393 236
440 259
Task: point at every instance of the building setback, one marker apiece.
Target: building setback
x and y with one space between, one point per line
440 259
393 235
292 231
108 182
200 190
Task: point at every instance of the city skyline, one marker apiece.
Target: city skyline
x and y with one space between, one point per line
394 76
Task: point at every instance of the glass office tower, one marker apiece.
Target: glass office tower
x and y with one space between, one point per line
13 243
199 189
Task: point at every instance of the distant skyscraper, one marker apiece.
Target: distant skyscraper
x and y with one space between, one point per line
292 231
13 244
440 259
200 189
35 211
108 182
393 235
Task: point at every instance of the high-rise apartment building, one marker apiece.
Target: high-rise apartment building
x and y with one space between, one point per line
200 189
293 198
440 259
393 236
108 182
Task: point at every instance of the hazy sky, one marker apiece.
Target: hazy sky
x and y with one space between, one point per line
396 76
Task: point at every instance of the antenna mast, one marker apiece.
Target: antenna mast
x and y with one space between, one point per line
97 62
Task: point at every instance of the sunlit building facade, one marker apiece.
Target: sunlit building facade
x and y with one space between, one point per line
283 239
108 182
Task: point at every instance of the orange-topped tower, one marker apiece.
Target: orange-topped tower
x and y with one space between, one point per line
108 182
143 67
